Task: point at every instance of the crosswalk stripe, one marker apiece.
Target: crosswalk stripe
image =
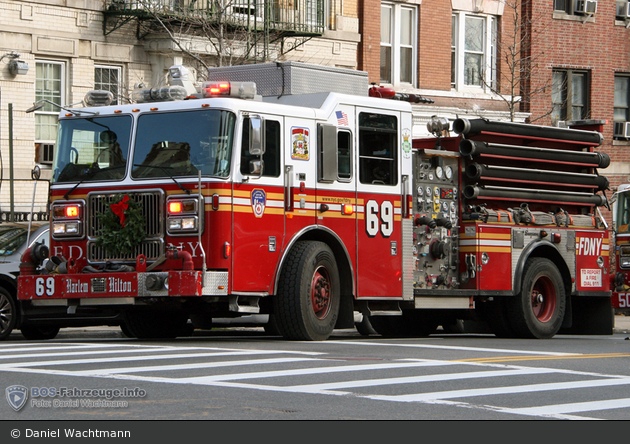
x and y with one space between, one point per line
311 371
425 397
161 368
577 407
146 358
314 388
451 347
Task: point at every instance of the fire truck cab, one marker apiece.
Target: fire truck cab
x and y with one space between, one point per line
312 205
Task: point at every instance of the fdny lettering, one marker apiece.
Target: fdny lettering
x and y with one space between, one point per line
76 287
117 285
588 246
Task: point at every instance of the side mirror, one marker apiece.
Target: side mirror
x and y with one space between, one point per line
36 173
256 140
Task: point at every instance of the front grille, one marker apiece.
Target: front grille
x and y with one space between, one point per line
152 205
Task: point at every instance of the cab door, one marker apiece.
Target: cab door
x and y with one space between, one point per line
258 207
379 186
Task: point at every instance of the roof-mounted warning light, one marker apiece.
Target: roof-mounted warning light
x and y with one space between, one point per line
168 93
241 90
98 97
389 93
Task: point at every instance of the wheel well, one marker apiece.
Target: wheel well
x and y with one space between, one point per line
9 285
346 276
551 253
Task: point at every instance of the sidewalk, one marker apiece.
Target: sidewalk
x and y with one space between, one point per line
622 324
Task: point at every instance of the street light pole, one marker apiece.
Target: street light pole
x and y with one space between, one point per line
11 214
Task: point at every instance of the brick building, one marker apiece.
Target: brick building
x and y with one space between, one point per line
547 61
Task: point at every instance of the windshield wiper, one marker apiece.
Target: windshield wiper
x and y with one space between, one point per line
88 174
187 191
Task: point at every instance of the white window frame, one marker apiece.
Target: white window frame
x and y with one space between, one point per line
396 45
49 110
488 52
117 95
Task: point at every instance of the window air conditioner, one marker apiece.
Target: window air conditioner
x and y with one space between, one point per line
623 10
44 152
586 6
622 130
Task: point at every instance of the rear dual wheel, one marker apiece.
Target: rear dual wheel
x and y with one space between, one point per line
306 307
538 310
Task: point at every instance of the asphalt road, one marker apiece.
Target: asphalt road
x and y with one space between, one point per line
97 374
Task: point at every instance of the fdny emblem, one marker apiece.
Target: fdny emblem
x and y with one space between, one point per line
17 396
259 201
300 142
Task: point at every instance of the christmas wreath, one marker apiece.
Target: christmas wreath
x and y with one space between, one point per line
122 226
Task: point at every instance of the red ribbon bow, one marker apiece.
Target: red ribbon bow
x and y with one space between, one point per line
119 209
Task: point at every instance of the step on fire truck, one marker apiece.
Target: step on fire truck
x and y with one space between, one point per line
271 194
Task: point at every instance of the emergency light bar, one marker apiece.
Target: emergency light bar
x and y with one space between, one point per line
241 90
98 97
168 93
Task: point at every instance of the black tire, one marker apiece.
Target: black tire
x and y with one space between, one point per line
412 324
365 327
8 313
154 324
33 332
271 327
306 307
125 330
538 310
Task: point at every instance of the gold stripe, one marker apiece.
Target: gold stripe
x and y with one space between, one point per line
485 249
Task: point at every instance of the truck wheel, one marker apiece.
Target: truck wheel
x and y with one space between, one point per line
307 304
538 310
155 324
32 332
8 314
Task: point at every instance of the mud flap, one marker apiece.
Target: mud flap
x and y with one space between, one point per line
591 316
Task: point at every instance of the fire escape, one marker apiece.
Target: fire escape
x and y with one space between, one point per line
257 24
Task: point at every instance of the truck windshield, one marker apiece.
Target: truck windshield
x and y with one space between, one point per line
94 148
623 212
184 143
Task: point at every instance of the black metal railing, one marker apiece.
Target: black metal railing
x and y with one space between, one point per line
298 17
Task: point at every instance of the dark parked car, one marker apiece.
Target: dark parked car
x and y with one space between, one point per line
13 243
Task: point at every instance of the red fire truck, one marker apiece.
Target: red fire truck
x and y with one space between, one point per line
620 280
310 206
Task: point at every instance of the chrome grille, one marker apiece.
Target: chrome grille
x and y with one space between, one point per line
152 205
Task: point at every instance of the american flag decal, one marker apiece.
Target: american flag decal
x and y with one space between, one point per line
342 118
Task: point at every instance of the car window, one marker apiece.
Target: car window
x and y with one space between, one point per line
11 238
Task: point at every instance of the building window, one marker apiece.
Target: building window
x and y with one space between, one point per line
49 85
398 43
107 78
622 97
575 7
569 95
473 51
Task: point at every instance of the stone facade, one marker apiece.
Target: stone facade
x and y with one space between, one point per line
71 32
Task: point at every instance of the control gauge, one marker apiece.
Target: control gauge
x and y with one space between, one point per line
430 176
428 192
439 172
420 191
448 171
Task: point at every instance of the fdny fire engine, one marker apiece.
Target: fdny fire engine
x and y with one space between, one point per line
620 280
268 193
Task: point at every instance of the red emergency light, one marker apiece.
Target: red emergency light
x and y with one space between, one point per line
242 90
